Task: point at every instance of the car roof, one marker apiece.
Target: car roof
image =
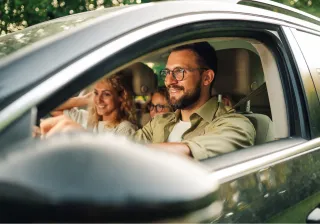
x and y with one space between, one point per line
71 21
273 6
36 61
280 8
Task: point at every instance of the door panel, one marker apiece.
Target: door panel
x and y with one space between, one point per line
285 188
286 192
297 213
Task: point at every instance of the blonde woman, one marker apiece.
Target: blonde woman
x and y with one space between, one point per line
110 108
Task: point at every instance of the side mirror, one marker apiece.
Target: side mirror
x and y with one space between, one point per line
106 178
314 215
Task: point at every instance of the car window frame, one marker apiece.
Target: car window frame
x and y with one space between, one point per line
287 94
315 77
303 82
91 68
253 153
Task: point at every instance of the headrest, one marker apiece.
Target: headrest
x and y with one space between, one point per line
239 72
144 81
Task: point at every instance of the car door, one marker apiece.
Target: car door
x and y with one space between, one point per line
282 186
308 48
279 187
260 182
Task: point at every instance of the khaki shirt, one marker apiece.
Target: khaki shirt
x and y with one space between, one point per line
213 130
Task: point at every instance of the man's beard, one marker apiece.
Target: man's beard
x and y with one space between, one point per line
187 99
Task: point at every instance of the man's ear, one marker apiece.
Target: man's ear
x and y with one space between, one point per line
208 77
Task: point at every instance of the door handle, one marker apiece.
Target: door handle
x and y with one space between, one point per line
314 215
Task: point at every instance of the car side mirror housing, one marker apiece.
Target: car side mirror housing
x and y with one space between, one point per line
106 178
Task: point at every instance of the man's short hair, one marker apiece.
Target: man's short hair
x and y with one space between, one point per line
207 56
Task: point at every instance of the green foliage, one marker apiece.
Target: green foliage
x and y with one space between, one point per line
18 14
309 6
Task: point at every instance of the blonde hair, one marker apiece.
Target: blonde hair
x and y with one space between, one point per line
127 110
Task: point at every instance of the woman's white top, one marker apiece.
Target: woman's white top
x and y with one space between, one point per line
81 117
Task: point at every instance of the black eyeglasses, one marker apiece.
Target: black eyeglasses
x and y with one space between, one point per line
158 107
178 73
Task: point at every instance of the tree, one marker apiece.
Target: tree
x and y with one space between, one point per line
309 6
17 14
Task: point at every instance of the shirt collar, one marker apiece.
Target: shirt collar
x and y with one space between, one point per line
206 111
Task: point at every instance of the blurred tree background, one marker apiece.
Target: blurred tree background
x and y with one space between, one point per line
309 6
17 14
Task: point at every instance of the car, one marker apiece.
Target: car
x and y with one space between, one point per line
268 65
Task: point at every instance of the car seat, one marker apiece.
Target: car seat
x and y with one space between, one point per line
240 74
144 82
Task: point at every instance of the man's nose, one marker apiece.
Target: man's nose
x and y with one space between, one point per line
170 79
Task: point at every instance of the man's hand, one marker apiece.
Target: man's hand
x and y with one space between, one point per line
58 124
36 131
178 148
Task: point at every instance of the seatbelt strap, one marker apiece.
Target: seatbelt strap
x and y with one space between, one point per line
254 93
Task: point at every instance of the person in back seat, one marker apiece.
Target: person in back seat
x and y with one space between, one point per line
201 127
159 102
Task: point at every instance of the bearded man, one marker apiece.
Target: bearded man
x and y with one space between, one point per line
201 127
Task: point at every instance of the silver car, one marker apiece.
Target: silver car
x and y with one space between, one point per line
268 64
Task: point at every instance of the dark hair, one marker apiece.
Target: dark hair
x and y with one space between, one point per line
207 56
163 91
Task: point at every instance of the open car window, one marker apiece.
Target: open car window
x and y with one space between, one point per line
248 77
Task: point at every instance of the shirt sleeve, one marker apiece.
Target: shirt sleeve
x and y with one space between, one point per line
225 134
126 129
79 116
144 135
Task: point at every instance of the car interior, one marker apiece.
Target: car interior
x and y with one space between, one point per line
247 73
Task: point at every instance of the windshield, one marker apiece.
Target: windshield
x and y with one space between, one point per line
17 40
